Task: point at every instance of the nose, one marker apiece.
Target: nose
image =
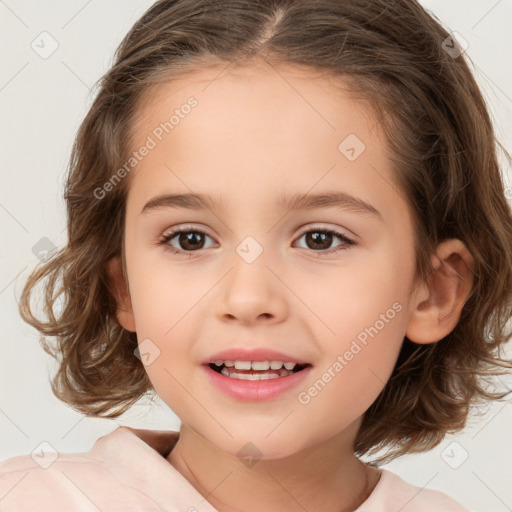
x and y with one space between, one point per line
252 293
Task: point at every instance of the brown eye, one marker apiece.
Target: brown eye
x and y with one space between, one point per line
318 240
184 240
321 240
191 240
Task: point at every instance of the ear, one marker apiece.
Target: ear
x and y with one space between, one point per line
119 288
436 309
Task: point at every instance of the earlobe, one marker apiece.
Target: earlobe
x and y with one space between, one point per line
436 309
119 289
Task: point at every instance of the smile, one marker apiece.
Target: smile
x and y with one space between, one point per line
256 370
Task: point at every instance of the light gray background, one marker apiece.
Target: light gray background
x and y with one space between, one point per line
42 102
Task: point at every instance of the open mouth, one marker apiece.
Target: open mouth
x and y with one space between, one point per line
256 370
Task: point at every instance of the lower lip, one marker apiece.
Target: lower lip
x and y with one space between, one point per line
255 390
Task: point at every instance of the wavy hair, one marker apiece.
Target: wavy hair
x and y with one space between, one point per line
392 53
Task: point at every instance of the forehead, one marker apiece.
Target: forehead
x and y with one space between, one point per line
252 96
258 130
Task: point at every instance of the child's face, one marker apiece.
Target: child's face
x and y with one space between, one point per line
254 137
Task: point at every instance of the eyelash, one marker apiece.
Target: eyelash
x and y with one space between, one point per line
347 243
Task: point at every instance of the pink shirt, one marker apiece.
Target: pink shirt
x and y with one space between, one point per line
124 473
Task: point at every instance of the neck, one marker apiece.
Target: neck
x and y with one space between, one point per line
324 477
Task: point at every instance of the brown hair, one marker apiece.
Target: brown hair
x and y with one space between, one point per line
392 53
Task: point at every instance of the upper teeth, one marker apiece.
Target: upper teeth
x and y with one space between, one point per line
256 365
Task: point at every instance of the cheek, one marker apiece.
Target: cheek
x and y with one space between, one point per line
348 300
164 293
356 366
166 304
362 330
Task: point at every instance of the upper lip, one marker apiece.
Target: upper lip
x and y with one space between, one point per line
255 354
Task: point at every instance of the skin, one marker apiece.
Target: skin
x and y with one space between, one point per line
259 132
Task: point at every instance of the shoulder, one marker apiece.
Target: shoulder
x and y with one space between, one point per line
62 482
393 493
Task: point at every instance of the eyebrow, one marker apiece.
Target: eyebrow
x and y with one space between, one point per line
291 202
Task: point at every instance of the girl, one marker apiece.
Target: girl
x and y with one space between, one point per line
287 219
